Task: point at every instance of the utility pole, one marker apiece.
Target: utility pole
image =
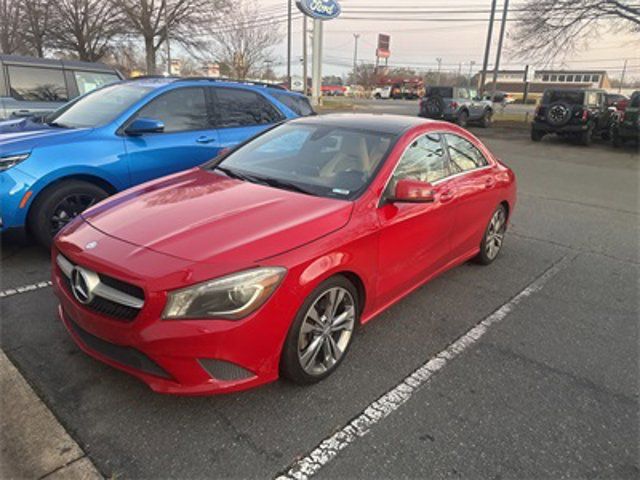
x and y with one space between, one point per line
471 64
316 63
356 36
166 32
288 42
503 26
624 71
304 52
439 60
487 47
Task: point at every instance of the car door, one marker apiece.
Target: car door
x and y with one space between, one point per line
414 237
188 139
240 114
474 184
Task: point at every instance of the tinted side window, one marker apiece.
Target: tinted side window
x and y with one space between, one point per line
180 110
463 155
424 160
88 81
37 84
299 105
635 101
236 107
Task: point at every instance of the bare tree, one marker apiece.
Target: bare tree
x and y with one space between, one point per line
85 28
245 40
10 30
186 21
36 25
555 28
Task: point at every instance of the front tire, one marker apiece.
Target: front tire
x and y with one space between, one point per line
487 119
493 237
463 118
536 135
58 204
322 332
586 137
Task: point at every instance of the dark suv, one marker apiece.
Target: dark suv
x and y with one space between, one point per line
456 104
626 126
576 113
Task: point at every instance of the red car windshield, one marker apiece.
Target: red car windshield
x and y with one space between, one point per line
315 159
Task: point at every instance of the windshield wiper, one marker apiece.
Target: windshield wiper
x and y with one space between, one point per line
232 173
276 182
57 125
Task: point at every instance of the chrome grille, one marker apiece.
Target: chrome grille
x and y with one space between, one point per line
103 294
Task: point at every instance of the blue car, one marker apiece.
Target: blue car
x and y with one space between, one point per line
122 135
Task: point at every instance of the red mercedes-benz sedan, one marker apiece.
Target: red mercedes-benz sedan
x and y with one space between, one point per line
262 262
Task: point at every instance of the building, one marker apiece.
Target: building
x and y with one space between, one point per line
512 81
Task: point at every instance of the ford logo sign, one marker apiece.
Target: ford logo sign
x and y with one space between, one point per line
320 9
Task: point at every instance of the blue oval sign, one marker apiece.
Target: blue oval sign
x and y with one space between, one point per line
320 9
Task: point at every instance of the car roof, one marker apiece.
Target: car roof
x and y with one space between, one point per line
20 60
157 81
378 122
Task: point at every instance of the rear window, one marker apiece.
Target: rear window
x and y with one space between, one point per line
237 107
300 105
567 96
36 84
88 81
440 91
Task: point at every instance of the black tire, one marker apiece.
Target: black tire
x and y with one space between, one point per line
70 197
585 137
616 140
484 257
536 135
463 118
487 119
377 96
558 114
434 106
290 365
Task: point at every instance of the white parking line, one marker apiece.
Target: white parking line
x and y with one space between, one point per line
329 448
24 289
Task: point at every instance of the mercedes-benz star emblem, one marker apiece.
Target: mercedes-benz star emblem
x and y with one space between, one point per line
91 245
81 286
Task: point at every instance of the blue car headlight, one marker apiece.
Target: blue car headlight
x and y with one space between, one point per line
9 161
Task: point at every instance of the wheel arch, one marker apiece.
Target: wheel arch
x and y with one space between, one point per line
93 179
357 282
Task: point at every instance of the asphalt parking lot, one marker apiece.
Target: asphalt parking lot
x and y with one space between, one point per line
544 385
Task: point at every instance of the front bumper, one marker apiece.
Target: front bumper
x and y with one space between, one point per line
186 357
14 185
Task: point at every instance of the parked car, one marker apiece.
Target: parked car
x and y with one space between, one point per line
456 104
504 98
121 135
262 262
37 86
626 125
381 92
616 100
580 114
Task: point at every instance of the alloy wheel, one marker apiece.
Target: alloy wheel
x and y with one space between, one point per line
326 331
495 234
69 208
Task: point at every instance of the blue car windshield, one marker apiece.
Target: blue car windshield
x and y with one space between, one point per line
98 107
311 158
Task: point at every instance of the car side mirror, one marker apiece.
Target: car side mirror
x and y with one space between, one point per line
144 125
413 191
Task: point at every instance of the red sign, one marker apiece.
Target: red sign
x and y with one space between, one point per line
384 42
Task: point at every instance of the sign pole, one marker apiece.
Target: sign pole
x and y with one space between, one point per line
316 64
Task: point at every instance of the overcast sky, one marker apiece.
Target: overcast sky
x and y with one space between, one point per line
419 43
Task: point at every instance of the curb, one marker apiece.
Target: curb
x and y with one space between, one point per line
34 444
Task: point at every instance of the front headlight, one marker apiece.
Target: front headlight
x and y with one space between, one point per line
11 161
231 297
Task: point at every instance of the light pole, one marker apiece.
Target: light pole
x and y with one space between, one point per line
439 60
356 36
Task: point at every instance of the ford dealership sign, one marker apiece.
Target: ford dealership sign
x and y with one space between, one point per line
320 9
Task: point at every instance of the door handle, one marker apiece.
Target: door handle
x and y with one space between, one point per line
204 139
446 196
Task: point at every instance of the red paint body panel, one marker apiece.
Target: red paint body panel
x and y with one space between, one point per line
196 225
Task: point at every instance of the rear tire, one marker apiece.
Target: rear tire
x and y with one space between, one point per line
313 324
536 135
493 238
616 140
586 137
463 118
58 204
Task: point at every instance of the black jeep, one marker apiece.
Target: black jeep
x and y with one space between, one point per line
577 113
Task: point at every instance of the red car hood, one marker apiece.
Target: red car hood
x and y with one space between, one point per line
205 217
